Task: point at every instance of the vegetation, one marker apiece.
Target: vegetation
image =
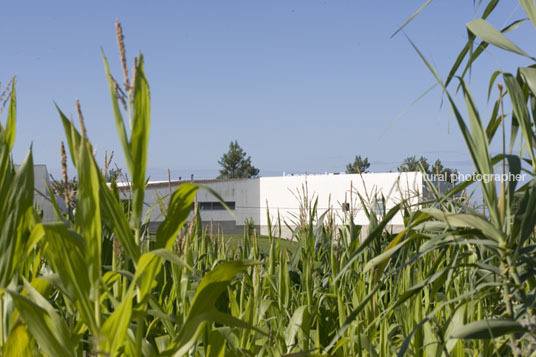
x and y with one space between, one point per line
359 166
236 164
453 282
412 164
438 169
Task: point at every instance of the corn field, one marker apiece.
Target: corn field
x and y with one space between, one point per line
454 282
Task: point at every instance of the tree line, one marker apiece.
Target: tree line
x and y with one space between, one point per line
235 163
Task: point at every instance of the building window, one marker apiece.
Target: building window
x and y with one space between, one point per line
215 206
379 205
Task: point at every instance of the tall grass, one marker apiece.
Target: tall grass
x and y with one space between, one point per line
454 282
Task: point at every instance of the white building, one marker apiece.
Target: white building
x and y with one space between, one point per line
42 200
286 196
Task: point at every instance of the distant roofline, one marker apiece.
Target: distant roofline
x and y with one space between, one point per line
162 184
156 184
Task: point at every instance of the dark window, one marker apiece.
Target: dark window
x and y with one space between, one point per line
215 206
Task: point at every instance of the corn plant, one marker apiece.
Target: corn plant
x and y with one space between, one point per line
454 282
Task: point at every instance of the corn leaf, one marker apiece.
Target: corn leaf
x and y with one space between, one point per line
208 291
118 118
18 342
13 226
88 216
9 131
66 254
179 209
39 323
139 141
114 329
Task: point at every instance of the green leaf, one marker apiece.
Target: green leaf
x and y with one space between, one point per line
40 325
148 267
371 237
139 141
172 258
525 218
488 329
521 113
412 17
463 220
73 136
208 291
88 216
491 6
119 123
18 342
179 209
476 139
112 210
66 254
486 32
299 317
10 130
352 316
13 223
60 329
529 75
388 251
530 9
477 143
116 325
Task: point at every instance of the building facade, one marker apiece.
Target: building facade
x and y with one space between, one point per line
287 197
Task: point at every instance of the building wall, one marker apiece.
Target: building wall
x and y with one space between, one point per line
284 195
41 195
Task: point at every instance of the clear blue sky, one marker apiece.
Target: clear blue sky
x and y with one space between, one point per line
302 85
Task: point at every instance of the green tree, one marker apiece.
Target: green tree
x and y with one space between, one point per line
236 164
412 164
438 169
359 166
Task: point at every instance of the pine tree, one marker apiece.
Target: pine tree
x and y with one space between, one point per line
359 166
235 163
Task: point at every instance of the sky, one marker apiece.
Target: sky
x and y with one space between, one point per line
302 85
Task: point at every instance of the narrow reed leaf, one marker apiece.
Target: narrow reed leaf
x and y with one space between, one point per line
486 329
423 6
522 114
486 32
530 10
